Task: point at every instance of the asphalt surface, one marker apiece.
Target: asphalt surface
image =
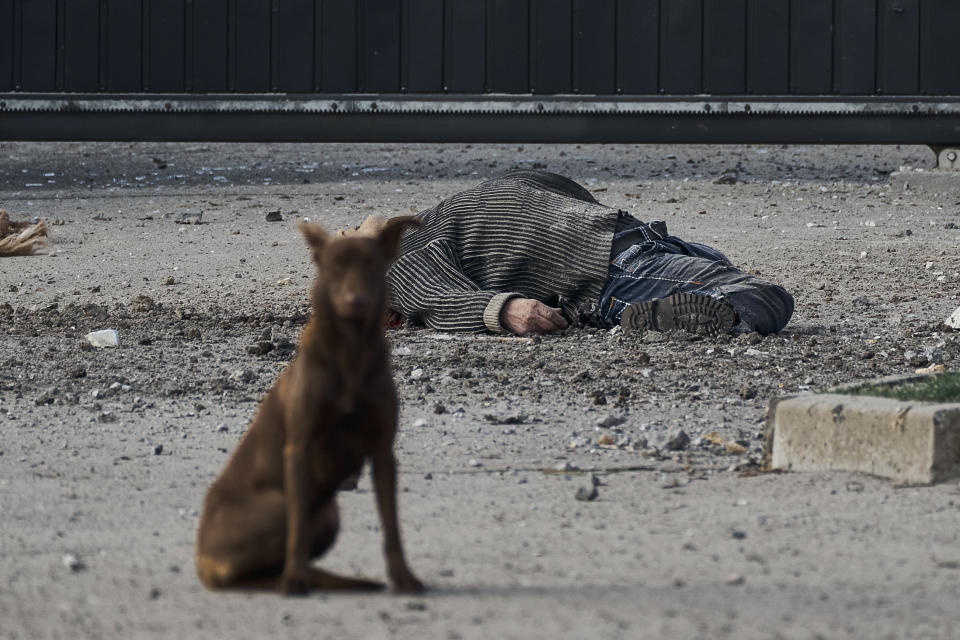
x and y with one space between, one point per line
105 453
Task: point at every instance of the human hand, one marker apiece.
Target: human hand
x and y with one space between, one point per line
525 315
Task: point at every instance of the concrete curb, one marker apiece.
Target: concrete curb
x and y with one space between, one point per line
909 442
926 180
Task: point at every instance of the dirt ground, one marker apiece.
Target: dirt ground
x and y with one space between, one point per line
105 453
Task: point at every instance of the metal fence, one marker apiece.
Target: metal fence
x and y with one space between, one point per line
631 70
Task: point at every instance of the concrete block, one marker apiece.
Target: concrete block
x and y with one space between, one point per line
909 442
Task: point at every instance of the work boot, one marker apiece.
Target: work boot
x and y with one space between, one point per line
695 314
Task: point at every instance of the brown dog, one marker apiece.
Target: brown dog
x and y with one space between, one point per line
273 508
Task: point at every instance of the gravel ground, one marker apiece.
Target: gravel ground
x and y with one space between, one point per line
105 453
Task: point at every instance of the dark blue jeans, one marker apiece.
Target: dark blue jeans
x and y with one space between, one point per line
651 264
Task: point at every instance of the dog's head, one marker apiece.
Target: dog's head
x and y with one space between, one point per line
350 269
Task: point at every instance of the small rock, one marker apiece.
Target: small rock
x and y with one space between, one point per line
599 398
419 422
934 355
934 368
606 440
283 282
189 217
677 441
475 463
954 320
103 339
157 449
735 448
169 280
274 216
735 580
610 421
142 304
727 177
587 494
439 408
401 351
738 535
949 225
71 562
714 438
243 375
154 593
417 373
747 393
77 372
261 348
513 417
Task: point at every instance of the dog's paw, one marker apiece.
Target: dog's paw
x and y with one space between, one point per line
407 583
294 583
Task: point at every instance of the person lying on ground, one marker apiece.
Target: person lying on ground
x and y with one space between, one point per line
532 251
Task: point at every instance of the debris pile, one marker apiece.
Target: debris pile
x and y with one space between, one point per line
20 238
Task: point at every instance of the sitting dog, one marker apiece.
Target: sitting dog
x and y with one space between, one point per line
272 510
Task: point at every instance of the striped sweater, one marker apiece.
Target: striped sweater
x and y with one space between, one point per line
528 234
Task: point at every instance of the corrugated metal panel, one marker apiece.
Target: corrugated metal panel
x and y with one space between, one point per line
939 35
594 47
421 53
464 35
768 46
7 44
550 46
37 44
724 46
681 46
855 46
508 46
898 47
80 29
638 46
811 46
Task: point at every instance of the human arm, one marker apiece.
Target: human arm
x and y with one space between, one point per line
429 285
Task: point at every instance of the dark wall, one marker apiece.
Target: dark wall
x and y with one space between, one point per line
639 47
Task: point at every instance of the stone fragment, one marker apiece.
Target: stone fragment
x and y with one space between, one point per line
103 339
189 217
609 421
587 494
71 562
735 448
677 441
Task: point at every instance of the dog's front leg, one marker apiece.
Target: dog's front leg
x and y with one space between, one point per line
295 578
402 579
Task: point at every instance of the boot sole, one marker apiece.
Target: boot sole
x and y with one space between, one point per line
694 314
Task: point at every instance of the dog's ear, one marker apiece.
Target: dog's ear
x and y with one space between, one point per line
315 235
389 237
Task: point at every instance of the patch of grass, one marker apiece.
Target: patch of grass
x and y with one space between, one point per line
944 387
